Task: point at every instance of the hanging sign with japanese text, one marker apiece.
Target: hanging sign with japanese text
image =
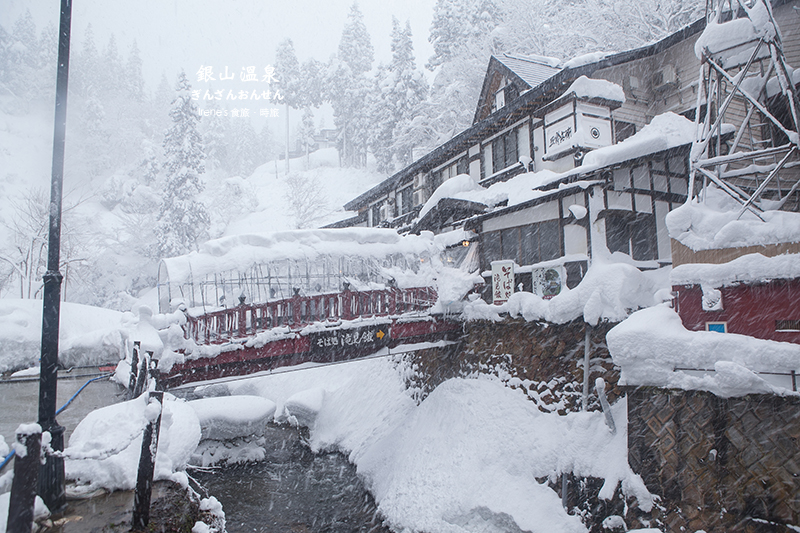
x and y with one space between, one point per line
502 281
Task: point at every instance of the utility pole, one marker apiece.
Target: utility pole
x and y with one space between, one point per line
51 478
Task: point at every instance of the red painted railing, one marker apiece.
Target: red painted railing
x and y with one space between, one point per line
248 319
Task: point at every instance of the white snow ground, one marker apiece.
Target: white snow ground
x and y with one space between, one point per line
87 335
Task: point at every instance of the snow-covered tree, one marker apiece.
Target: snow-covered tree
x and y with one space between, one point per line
110 70
348 88
355 47
84 69
398 91
243 149
306 133
134 79
305 200
182 220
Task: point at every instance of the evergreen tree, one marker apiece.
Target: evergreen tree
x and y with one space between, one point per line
110 71
244 148
349 89
306 133
182 221
355 48
398 91
287 68
267 146
215 131
134 79
84 73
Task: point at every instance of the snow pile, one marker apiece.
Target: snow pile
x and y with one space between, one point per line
721 37
665 131
608 291
654 349
104 449
586 59
585 87
303 407
230 417
87 335
745 269
467 457
712 224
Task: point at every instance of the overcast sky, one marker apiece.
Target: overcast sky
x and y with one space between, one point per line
175 34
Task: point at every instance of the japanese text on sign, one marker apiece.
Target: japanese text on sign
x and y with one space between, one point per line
502 281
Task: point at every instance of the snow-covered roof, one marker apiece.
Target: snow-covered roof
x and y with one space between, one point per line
241 252
713 223
748 268
652 348
664 132
533 70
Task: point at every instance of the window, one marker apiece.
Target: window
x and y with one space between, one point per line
376 214
787 325
462 167
504 151
719 327
406 200
632 234
623 130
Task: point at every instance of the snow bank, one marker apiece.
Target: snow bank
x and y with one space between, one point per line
232 416
747 268
712 223
652 345
87 335
476 445
608 291
465 458
104 449
305 405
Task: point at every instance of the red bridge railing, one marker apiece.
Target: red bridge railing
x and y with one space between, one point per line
248 319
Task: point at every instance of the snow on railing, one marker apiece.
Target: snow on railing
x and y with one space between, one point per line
296 312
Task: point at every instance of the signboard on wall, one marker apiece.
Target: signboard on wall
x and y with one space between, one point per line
502 281
547 282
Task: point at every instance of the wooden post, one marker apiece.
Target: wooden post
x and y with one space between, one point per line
147 460
26 479
141 379
134 369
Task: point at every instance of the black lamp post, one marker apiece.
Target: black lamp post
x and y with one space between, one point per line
51 476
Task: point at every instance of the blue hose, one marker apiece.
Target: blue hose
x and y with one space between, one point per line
79 391
10 455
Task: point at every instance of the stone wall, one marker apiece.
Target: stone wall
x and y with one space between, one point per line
544 359
719 464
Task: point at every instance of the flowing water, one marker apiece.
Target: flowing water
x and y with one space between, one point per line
293 490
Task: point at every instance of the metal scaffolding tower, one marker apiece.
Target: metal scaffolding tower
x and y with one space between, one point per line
746 116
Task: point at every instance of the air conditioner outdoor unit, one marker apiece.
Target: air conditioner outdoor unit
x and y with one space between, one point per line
419 181
664 78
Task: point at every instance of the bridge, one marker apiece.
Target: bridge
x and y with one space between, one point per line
303 296
321 328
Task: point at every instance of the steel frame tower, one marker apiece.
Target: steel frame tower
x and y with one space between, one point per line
744 82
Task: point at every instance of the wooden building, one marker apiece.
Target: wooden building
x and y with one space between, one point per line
566 136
